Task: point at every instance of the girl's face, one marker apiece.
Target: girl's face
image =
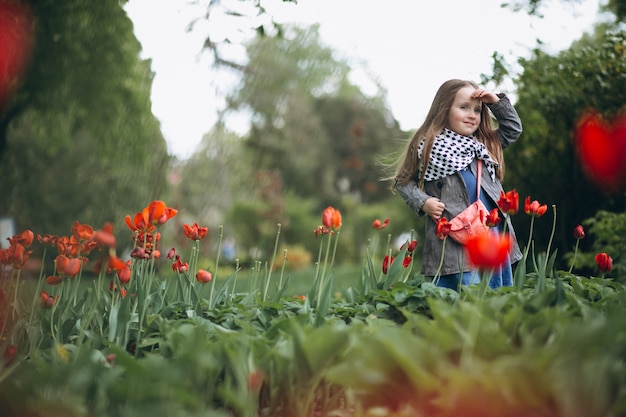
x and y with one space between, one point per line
464 115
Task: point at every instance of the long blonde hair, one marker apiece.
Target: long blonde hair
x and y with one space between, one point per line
409 165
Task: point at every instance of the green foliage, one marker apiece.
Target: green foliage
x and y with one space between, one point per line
390 344
532 7
543 163
606 232
82 140
310 125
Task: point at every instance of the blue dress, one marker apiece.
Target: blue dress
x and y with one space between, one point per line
502 277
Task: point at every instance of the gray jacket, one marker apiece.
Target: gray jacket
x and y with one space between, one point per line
452 192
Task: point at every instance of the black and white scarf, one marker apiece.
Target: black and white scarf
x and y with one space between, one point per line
453 152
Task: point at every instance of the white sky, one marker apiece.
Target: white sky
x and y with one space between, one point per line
412 46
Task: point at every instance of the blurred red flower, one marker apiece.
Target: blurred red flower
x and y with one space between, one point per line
195 232
601 148
331 218
377 224
203 276
488 251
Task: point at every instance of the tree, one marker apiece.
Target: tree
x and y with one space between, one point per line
532 7
553 92
82 143
308 121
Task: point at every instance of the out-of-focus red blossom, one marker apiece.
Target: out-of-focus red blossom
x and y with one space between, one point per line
50 240
139 253
68 246
411 246
407 261
69 267
203 276
124 274
579 232
17 34
377 224
104 236
195 232
54 279
113 287
255 380
46 300
171 254
534 209
488 251
493 218
15 255
387 261
116 264
9 354
604 262
509 202
82 232
25 238
179 266
331 218
601 148
321 230
443 228
301 297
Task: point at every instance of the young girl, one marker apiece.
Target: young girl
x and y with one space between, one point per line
437 174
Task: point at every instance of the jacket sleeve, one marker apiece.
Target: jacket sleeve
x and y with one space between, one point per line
510 125
413 196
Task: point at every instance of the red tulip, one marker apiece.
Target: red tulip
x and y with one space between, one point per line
195 232
493 218
443 228
579 232
489 250
331 218
124 275
387 261
69 267
377 224
534 209
604 262
203 276
509 202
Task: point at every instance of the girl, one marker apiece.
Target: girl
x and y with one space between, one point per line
437 174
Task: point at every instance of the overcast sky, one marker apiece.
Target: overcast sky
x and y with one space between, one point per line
412 46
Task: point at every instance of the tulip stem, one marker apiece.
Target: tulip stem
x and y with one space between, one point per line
443 250
574 258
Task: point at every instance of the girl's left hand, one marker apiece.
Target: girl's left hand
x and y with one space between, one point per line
486 96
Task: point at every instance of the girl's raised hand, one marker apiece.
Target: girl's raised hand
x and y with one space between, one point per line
486 96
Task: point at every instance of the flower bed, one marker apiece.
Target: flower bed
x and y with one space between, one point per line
134 343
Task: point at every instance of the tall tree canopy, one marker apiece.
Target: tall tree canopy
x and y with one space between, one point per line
553 92
82 142
308 121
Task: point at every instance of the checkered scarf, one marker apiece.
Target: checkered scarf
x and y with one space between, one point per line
453 152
